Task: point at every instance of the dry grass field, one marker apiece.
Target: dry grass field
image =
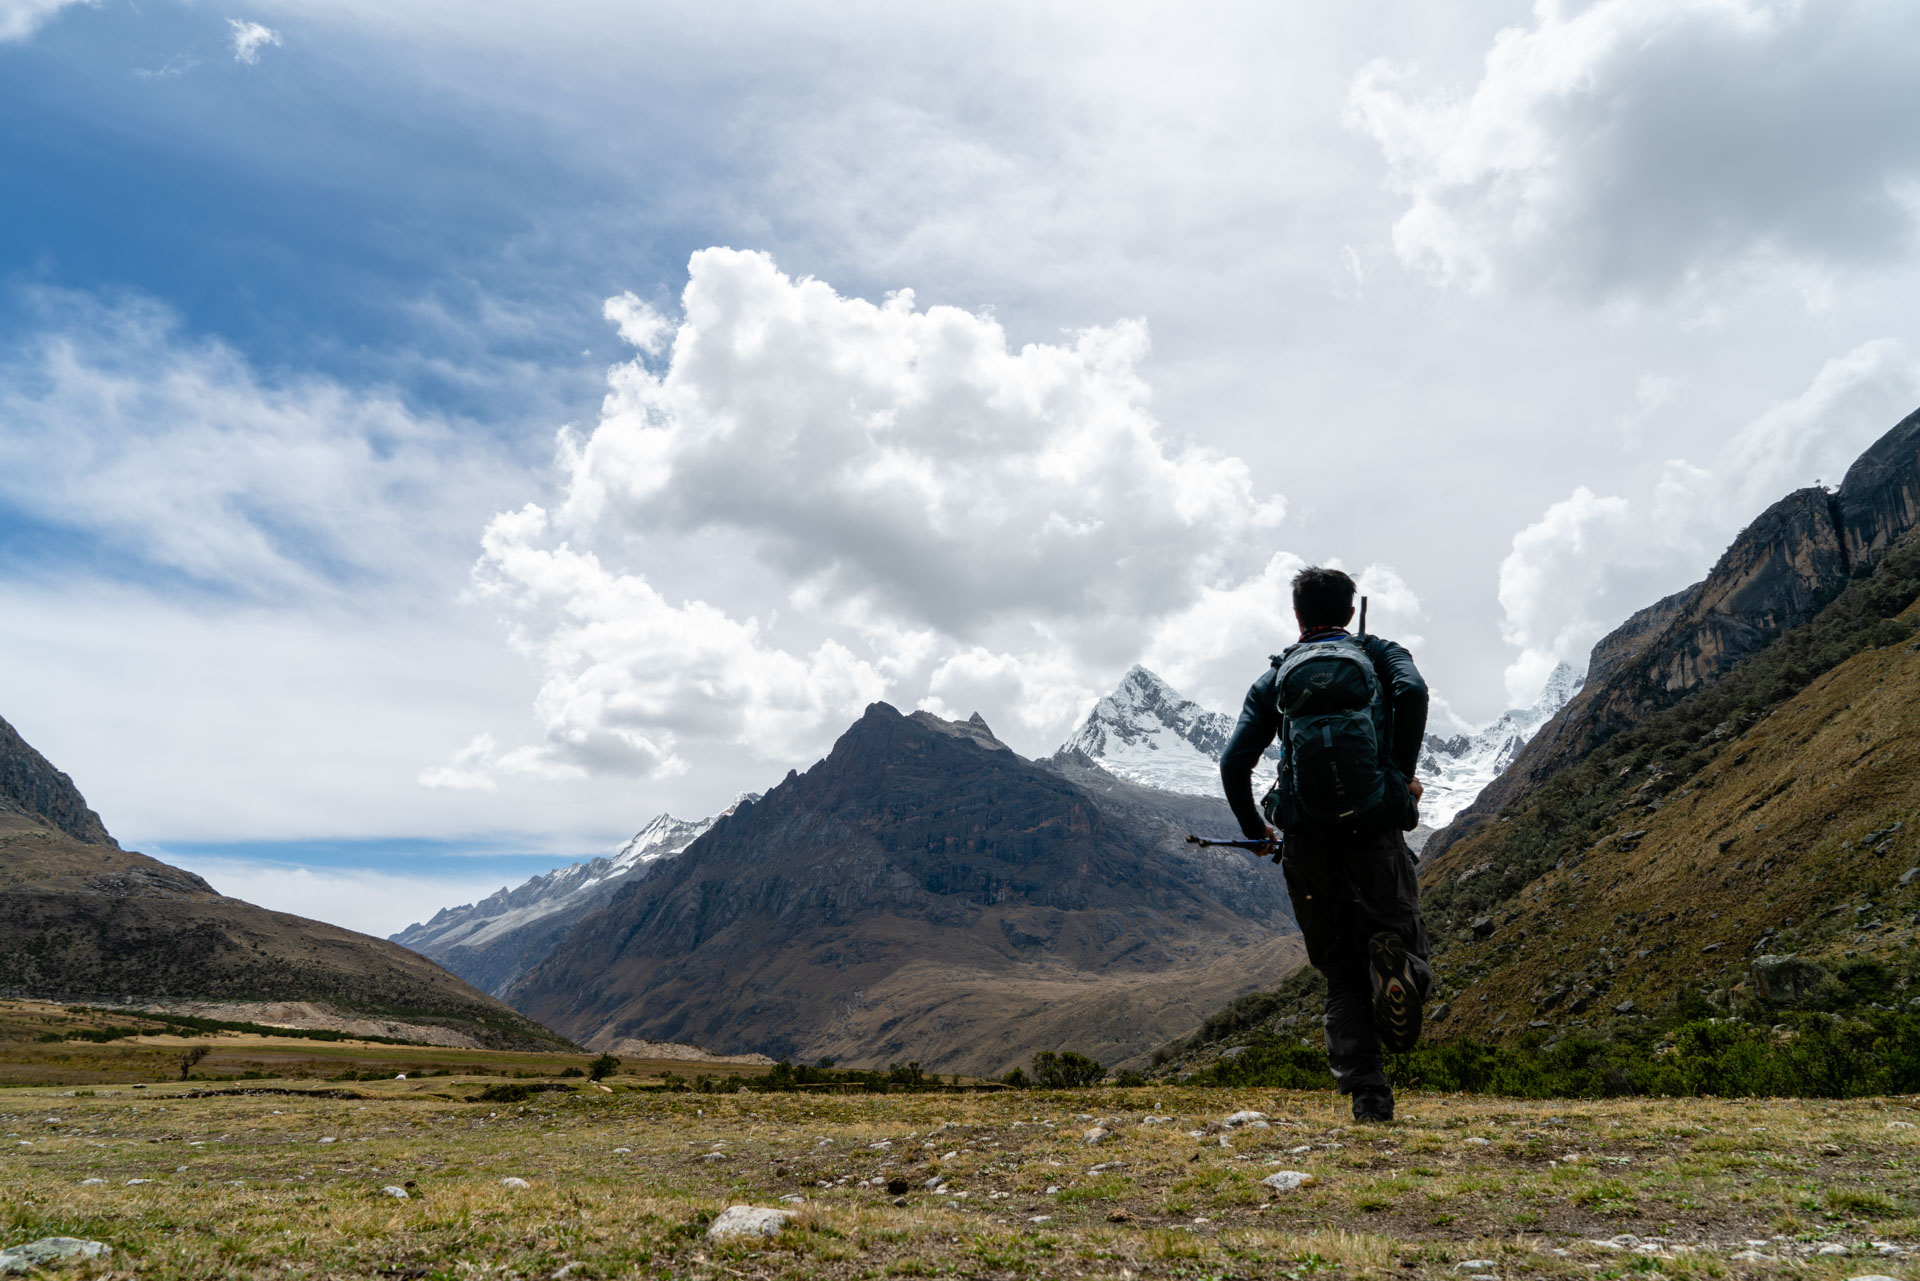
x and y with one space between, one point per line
251 1178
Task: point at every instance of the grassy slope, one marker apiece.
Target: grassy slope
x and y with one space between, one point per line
1656 869
624 1184
93 923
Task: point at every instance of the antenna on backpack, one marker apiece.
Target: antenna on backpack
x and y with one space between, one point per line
1363 615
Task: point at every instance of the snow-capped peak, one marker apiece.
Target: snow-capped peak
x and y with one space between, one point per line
1454 769
1145 732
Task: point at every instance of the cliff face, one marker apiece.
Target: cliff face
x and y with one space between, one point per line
30 785
1781 570
926 893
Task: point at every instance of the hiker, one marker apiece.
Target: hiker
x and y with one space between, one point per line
1350 712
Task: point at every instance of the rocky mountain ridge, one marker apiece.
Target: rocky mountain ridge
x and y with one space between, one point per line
924 892
1777 574
493 942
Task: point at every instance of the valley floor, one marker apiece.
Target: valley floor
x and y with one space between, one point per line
244 1181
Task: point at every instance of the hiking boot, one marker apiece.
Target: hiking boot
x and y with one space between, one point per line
1396 993
1373 1105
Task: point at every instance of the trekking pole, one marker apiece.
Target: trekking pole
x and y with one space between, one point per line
1262 847
1363 615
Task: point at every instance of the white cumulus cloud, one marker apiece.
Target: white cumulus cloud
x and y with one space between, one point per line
249 38
1637 147
1590 560
897 504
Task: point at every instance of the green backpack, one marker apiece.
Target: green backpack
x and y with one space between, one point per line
1333 773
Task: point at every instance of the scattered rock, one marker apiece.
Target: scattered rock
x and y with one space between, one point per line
1156 1120
1481 926
34 1254
900 1200
1438 1014
1119 1216
134 1183
737 1221
1831 1249
90 1182
794 1198
1909 876
714 1156
1477 1265
1242 1118
1288 1180
512 1182
1041 1218
1098 1134
397 1193
1234 1052
1477 1142
329 1139
1625 1007
1792 980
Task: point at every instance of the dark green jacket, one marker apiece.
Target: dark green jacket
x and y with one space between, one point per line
1402 686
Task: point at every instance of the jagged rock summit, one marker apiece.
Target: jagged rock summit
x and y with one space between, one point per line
1145 732
82 920
493 942
923 892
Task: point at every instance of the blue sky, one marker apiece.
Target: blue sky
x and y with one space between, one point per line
431 439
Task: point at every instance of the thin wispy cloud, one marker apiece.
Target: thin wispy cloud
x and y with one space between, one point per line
249 38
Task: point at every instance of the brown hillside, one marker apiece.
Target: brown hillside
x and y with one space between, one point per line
83 920
1796 839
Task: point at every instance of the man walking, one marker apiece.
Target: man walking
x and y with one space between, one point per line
1350 713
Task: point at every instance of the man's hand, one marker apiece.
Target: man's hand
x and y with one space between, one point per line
1413 785
1273 834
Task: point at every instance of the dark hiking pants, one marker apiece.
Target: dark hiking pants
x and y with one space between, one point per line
1346 889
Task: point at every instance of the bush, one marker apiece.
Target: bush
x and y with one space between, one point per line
600 1067
1065 1070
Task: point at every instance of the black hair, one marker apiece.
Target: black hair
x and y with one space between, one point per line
1323 597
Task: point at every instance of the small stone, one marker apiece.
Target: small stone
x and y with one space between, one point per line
1242 1118
737 1221
1052 1188
1900 1125
714 1156
90 1182
618 1151
134 1183
900 1200
1909 876
1872 1276
401 1077
1477 1142
1119 1216
1832 1248
1156 1120
34 1254
794 1198
1481 926
1098 1134
397 1193
1288 1180
1475 1265
1040 1218
329 1139
511 1182
1750 1256
1625 1007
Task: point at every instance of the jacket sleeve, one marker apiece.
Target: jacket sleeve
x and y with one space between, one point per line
1254 733
1407 695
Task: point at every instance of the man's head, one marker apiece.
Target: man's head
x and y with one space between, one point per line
1322 598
